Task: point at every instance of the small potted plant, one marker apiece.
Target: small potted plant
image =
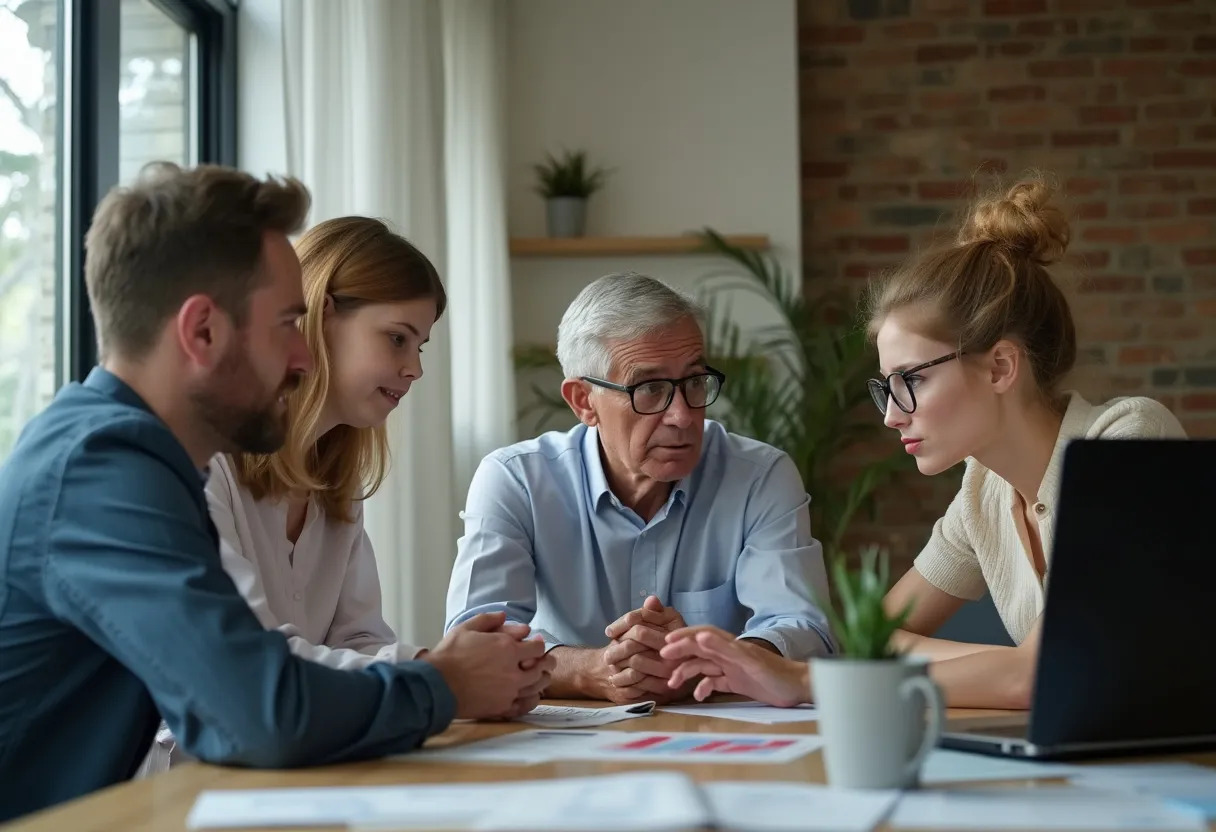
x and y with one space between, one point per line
566 183
871 698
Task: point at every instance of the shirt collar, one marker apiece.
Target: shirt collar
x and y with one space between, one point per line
680 492
1076 421
108 384
597 480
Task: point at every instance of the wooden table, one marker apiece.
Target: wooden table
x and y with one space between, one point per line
162 802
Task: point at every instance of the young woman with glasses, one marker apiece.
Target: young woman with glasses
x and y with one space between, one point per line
974 341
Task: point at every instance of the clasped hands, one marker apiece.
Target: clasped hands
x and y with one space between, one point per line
654 655
631 663
496 669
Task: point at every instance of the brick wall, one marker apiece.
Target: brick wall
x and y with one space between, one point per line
903 101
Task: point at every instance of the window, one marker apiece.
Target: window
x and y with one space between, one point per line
155 90
29 211
90 91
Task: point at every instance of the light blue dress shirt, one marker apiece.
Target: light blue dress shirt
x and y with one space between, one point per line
547 541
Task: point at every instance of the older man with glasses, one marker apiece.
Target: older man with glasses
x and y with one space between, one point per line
645 517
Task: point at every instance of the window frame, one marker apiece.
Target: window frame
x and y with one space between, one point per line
89 135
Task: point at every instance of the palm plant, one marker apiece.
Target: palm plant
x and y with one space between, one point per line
800 385
547 404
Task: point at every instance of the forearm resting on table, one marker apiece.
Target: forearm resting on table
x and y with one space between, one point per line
974 675
572 677
937 649
997 677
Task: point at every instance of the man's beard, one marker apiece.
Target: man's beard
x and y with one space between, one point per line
256 428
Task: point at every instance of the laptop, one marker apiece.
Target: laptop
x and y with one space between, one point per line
1127 654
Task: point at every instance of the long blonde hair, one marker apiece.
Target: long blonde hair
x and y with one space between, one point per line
356 261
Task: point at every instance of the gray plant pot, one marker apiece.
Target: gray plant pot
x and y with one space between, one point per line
566 216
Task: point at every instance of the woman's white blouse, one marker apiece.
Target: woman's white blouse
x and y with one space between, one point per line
323 592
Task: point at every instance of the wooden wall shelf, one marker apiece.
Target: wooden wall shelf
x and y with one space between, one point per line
625 246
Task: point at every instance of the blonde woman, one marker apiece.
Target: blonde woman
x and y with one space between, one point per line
291 523
974 341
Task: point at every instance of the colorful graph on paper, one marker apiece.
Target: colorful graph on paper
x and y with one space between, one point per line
710 748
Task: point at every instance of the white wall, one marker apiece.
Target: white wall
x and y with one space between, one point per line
693 102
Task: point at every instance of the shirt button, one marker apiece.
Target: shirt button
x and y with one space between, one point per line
1039 508
297 596
643 594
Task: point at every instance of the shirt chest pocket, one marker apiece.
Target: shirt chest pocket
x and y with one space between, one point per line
717 606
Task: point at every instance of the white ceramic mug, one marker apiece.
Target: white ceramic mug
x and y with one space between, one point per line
872 717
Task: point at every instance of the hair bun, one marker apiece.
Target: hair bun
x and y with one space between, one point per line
1023 220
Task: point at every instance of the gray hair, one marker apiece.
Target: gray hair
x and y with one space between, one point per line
617 307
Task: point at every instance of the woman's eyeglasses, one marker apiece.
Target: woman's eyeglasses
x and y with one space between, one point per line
899 386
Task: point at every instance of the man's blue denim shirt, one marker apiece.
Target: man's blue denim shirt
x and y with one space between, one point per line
114 605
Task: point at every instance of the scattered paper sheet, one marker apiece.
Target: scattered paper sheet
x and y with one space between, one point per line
649 800
557 716
669 800
1049 807
1205 806
674 747
795 807
947 766
1185 783
526 747
754 712
519 748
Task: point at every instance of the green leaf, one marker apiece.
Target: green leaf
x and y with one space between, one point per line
859 618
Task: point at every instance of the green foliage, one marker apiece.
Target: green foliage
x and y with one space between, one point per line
859 620
546 403
568 176
800 385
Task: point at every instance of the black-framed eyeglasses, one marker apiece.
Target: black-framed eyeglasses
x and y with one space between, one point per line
654 395
900 386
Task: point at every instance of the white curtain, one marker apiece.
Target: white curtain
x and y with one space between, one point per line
394 110
475 141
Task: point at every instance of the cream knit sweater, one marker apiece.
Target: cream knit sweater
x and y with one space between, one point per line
977 546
